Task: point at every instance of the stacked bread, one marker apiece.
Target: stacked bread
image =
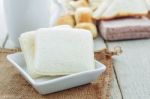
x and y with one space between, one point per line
126 28
56 51
110 9
117 19
123 19
81 17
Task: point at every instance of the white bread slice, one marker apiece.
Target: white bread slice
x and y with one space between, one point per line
78 3
94 3
63 51
27 45
123 8
102 7
66 5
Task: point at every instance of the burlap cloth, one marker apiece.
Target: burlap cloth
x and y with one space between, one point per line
14 86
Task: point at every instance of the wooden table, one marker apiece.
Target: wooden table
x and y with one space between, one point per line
131 79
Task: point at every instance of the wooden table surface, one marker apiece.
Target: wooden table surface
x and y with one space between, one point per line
131 79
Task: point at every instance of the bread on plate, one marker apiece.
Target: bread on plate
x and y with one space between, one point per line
57 51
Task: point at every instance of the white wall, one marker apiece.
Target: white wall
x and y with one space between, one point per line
2 21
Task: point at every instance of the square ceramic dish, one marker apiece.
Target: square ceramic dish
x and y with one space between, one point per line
45 85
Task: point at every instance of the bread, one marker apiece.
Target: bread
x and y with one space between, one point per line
94 3
126 28
79 3
83 14
66 20
27 46
66 5
62 26
63 51
88 26
58 50
122 8
101 9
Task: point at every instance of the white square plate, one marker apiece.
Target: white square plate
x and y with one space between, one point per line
45 85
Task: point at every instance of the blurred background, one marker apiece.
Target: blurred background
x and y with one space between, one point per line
2 21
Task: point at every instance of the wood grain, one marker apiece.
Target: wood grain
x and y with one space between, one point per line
133 68
115 91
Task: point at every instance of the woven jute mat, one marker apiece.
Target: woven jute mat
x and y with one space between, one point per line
14 86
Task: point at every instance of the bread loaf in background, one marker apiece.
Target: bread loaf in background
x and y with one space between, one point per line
66 20
94 3
83 14
79 3
126 28
120 8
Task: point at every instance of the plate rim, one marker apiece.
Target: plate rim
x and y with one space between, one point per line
33 82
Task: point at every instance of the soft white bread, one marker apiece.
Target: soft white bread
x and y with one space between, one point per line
94 3
63 51
83 14
66 5
27 42
88 26
57 51
122 8
79 3
102 7
27 46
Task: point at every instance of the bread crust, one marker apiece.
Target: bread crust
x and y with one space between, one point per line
121 15
66 20
83 14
